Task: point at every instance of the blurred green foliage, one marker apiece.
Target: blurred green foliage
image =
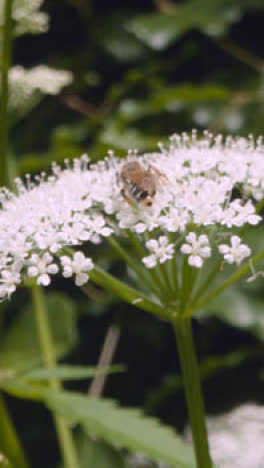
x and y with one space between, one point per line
141 71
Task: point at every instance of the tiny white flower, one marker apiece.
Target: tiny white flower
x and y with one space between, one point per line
236 252
8 282
162 251
78 266
197 248
50 240
42 267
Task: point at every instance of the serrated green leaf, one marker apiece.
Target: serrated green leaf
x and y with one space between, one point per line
20 389
65 372
122 427
96 453
20 349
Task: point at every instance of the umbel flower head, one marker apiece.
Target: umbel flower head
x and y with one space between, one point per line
200 192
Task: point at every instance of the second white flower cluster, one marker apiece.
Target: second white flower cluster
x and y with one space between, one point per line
198 249
42 267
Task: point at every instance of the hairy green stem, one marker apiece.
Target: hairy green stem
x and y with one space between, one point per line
5 65
9 443
69 454
193 393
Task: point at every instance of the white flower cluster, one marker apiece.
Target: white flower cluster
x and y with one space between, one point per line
236 438
161 251
204 186
197 248
27 17
27 86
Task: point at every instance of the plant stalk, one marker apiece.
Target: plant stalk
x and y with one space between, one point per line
193 393
5 65
234 278
65 437
9 443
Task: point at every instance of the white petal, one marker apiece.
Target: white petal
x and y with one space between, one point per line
81 279
186 249
152 244
150 261
191 237
43 280
53 269
65 260
223 248
195 261
67 271
32 271
235 241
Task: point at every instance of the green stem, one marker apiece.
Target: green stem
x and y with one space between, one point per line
242 271
9 443
259 206
137 245
140 272
193 393
167 280
128 294
5 65
204 286
188 277
174 276
64 432
244 56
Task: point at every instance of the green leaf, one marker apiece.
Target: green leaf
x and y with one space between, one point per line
20 350
158 30
65 372
9 442
96 453
122 427
117 41
174 98
122 138
20 389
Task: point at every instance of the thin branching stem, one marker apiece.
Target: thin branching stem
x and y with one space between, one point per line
244 56
140 272
5 65
127 293
242 271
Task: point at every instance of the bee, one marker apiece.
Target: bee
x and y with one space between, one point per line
140 184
